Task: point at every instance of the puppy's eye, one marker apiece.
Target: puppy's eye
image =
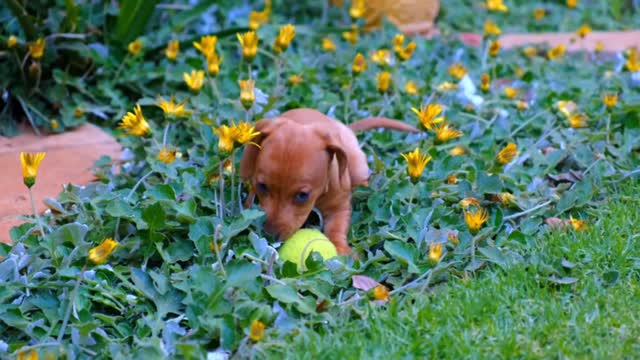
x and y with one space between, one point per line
301 197
262 187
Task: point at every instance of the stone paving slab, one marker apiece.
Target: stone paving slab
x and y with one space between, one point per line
69 159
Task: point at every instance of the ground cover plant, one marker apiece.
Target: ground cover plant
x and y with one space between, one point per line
159 259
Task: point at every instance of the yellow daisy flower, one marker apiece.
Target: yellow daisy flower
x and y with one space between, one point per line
195 80
171 52
37 49
170 108
507 153
475 219
416 162
428 115
135 123
249 42
207 45
99 254
135 47
30 165
256 332
247 93
284 38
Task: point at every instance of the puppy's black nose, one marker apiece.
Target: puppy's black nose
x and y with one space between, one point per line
270 229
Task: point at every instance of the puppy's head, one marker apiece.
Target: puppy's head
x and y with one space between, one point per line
290 171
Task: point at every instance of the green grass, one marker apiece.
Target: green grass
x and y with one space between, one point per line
513 313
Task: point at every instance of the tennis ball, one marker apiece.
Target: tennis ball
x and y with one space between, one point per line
300 245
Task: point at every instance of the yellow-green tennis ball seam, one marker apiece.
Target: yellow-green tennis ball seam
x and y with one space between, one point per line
298 247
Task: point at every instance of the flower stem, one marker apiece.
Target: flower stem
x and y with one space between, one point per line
138 184
165 134
608 128
216 236
347 101
233 178
72 299
35 212
221 173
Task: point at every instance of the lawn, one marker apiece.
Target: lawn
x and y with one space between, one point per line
506 227
507 312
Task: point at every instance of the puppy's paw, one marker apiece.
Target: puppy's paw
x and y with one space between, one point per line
343 250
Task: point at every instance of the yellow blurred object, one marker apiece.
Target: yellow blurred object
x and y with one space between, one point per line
410 16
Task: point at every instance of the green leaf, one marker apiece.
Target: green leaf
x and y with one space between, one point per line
242 223
154 216
132 19
494 255
488 183
404 252
73 233
242 273
162 192
289 295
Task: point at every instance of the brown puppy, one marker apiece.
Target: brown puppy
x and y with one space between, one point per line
307 160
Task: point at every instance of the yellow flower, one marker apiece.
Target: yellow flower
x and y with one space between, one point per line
54 124
328 45
213 64
135 123
295 79
490 28
257 18
171 52
244 133
256 332
511 92
507 198
384 81
351 36
577 225
469 201
381 293
519 72
249 42
539 13
358 8
170 108
33 355
405 53
556 52
359 64
445 133
457 151
453 238
452 179
416 162
167 155
566 107
507 153
411 88
428 115
381 57
583 31
610 100
78 112
247 94
195 80
135 47
398 42
99 254
12 41
578 121
522 105
457 70
633 61
207 45
30 164
572 3
530 51
496 5
447 86
475 219
435 251
284 38
226 138
485 82
37 49
494 48
599 47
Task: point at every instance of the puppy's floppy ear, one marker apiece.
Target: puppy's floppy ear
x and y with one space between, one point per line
336 149
251 151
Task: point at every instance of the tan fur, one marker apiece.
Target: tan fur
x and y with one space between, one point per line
305 151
